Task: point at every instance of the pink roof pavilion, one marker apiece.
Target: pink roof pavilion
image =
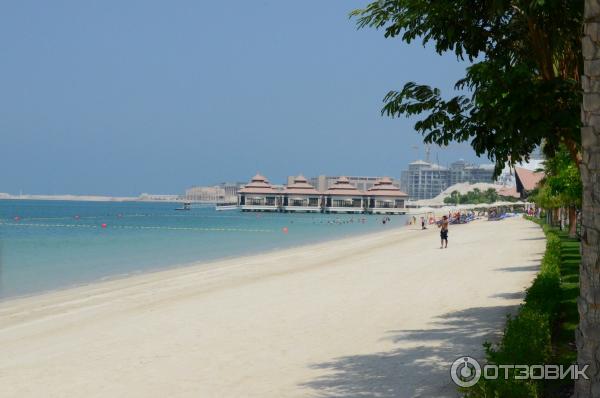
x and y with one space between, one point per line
508 191
343 187
300 186
385 187
529 179
259 184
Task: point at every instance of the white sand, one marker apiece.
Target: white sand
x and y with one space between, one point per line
381 315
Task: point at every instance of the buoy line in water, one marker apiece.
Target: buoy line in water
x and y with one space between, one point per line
305 220
105 226
299 220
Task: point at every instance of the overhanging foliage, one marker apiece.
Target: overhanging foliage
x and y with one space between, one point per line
524 81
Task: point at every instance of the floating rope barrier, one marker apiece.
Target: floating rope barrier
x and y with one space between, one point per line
140 227
295 218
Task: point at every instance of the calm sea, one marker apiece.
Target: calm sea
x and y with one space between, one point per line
48 245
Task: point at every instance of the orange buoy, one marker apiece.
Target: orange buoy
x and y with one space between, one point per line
284 230
17 218
103 225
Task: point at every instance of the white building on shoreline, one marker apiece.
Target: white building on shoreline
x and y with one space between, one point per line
222 193
425 180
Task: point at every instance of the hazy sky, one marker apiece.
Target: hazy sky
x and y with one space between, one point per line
123 97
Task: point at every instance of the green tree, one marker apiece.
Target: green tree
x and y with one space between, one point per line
523 81
522 87
491 195
544 198
561 187
475 196
454 198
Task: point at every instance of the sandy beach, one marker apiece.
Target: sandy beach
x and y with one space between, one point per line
380 315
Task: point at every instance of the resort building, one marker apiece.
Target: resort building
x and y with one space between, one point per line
205 194
385 198
461 171
259 195
344 197
508 177
425 180
323 182
222 193
230 189
300 196
509 191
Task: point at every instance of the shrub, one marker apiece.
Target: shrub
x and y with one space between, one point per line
526 339
544 293
527 335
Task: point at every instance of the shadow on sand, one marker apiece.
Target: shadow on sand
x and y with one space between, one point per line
420 368
522 268
510 296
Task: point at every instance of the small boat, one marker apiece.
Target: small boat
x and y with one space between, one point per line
186 206
226 206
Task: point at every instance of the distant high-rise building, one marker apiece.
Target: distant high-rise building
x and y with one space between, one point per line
224 192
231 189
461 171
424 180
205 194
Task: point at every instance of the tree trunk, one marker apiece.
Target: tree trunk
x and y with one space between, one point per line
588 331
572 222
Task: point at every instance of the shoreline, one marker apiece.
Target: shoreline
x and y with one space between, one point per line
180 269
377 314
196 264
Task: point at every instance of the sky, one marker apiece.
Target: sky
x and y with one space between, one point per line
124 97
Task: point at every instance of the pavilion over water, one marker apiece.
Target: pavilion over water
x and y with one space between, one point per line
342 197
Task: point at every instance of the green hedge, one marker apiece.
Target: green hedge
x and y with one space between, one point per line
527 335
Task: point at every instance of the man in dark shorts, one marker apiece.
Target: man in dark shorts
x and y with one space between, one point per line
444 231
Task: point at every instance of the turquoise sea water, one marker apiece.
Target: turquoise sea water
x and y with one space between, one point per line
48 245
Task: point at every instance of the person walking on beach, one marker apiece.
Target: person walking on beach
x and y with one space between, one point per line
444 231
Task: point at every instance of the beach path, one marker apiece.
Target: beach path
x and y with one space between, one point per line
380 315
